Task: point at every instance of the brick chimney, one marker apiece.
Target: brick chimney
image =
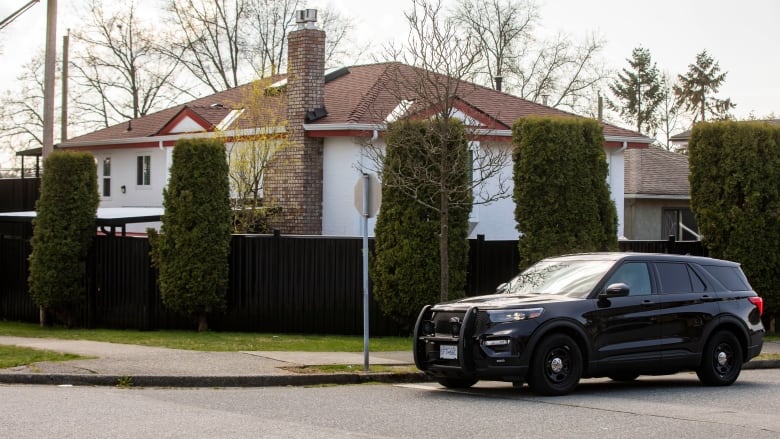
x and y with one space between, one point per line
294 180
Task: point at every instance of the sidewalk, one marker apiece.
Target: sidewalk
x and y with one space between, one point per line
162 367
154 366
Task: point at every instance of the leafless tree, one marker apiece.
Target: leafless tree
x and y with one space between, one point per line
502 29
670 115
224 43
21 112
207 40
558 72
430 80
116 65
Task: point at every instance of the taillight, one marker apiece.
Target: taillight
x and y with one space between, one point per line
759 302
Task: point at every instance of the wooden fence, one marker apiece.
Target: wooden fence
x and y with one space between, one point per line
303 284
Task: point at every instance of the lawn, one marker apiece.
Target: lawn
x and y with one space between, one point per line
12 356
212 340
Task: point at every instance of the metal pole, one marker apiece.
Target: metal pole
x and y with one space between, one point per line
48 78
366 182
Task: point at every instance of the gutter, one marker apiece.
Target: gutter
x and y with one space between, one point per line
171 137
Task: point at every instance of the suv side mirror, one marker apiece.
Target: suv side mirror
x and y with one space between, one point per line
616 290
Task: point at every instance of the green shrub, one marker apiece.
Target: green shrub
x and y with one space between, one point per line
735 195
562 200
63 230
406 269
192 248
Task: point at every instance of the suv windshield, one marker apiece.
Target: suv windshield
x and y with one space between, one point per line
568 278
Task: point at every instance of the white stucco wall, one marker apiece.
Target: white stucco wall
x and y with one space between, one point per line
342 157
616 182
123 173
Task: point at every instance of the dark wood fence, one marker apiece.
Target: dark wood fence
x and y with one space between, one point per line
18 195
277 283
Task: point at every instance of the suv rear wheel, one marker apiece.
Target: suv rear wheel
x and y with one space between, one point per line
721 360
556 366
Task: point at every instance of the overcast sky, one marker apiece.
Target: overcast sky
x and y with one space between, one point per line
742 36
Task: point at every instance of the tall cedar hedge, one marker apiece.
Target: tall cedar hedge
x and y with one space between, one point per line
192 248
561 195
735 195
405 269
64 227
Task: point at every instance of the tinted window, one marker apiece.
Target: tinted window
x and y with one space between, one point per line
633 274
674 278
698 284
731 277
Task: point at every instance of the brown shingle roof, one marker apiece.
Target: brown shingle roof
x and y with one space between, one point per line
365 95
656 171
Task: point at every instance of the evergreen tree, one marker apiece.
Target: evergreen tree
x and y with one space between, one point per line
735 195
406 269
192 248
696 89
561 195
638 92
64 227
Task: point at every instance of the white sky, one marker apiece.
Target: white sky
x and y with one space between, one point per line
742 36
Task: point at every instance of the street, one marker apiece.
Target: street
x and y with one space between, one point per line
674 406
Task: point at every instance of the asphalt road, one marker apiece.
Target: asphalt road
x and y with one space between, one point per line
676 406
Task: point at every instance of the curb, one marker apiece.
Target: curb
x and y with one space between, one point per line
302 380
213 381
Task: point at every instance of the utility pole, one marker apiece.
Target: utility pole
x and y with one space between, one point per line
64 122
48 78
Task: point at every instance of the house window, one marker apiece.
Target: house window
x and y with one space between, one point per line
680 223
107 177
143 170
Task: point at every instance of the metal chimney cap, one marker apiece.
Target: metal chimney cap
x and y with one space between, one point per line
306 18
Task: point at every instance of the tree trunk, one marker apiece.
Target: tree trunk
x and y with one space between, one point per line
42 316
203 323
444 235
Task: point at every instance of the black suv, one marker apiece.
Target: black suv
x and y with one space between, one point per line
618 315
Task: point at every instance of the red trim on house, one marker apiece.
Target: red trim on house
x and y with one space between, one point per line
632 145
341 133
185 113
151 144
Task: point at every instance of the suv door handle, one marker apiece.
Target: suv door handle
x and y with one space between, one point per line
647 302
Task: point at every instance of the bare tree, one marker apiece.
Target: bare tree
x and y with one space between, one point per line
223 43
669 113
558 72
121 73
441 60
21 112
502 29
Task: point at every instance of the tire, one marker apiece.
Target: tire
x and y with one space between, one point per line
457 383
721 360
624 377
556 366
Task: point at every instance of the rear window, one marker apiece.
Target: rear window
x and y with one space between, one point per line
731 277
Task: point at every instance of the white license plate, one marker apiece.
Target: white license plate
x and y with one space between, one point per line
448 352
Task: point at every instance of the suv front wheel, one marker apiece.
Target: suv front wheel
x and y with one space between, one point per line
721 360
556 366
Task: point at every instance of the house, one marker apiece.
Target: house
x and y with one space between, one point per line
680 141
658 196
329 117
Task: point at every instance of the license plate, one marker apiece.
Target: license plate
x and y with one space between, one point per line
448 352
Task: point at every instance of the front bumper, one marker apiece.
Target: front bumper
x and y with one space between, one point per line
459 344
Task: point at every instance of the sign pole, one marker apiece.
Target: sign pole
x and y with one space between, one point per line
366 213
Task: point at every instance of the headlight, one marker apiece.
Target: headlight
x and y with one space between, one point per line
513 315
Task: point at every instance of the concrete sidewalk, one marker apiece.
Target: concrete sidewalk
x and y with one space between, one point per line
152 366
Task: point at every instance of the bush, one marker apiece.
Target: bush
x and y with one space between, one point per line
406 269
562 200
192 249
735 195
63 230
